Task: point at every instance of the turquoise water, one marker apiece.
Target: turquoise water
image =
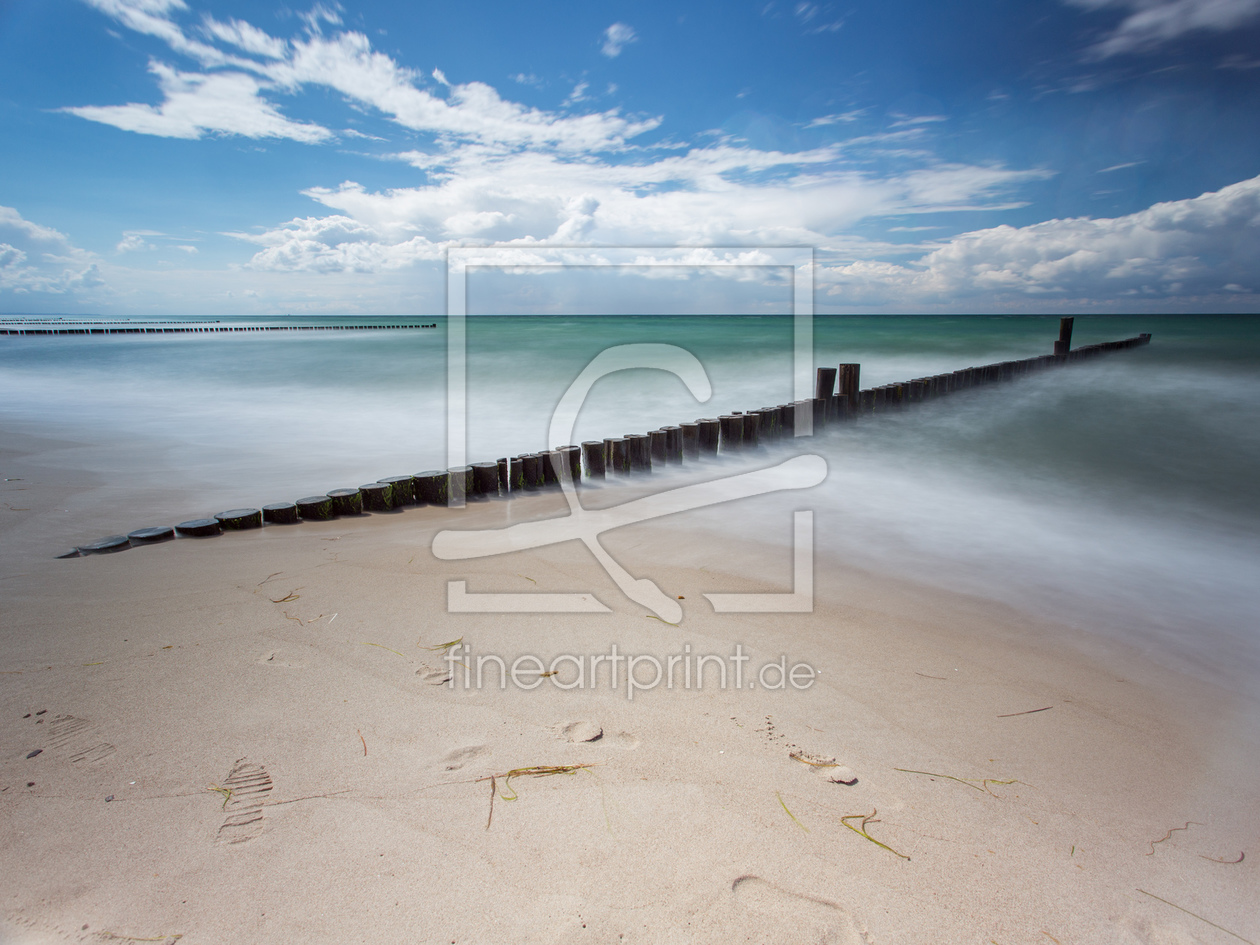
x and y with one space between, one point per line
1120 494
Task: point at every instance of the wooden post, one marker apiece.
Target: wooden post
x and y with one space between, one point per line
618 455
710 435
658 441
826 383
460 482
486 479
347 501
375 497
593 454
318 508
732 432
533 471
504 471
402 491
551 462
572 459
151 536
432 486
752 430
673 445
691 440
640 446
847 381
205 527
1064 344
280 513
516 475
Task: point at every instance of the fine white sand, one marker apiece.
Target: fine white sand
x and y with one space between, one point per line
268 714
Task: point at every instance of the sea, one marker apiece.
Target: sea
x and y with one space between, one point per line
1120 495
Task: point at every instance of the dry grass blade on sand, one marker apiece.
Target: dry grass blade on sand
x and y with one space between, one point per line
533 771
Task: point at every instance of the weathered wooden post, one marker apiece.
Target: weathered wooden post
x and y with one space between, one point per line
486 479
710 435
691 440
375 497
402 490
238 520
660 447
825 388
847 381
640 448
1064 344
152 536
572 459
347 501
460 484
504 471
618 455
752 430
533 471
673 445
593 454
732 432
280 513
314 508
433 487
205 527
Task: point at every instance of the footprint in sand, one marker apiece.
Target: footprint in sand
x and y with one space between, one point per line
245 791
277 658
587 731
434 675
772 915
73 738
457 758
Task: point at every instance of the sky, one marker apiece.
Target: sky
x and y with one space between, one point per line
215 158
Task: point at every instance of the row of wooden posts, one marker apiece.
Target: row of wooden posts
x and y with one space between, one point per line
199 329
837 400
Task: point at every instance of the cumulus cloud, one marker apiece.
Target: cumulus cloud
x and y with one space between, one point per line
1151 23
198 103
1200 247
616 38
36 258
719 195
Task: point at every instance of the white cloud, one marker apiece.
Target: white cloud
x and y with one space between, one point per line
235 102
133 242
1151 23
1191 248
197 103
616 38
723 194
36 258
843 117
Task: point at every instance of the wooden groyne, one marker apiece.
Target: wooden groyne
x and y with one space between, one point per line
837 400
198 329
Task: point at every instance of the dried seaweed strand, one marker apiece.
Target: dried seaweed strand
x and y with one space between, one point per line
789 813
383 647
1169 834
533 771
1197 916
985 782
1212 859
1011 715
861 830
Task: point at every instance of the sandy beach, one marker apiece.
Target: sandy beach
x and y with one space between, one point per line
258 738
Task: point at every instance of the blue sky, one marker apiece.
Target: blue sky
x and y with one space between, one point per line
175 156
